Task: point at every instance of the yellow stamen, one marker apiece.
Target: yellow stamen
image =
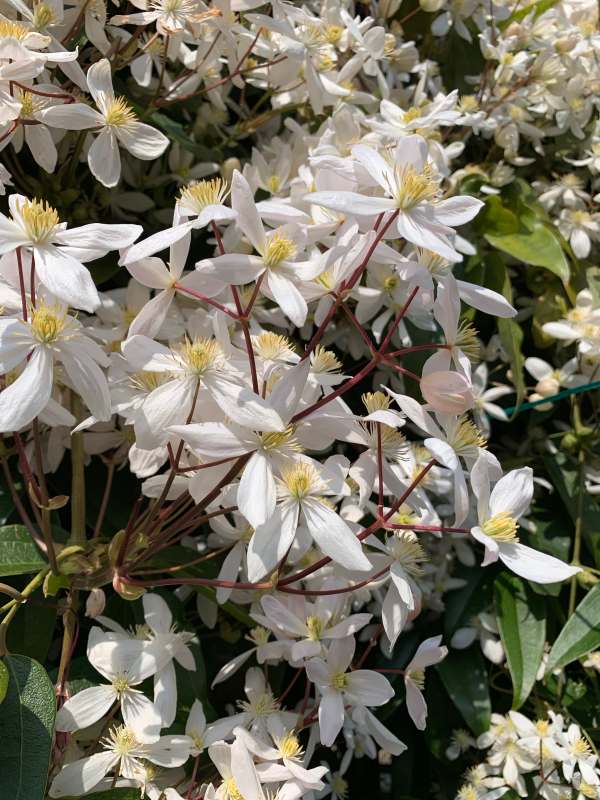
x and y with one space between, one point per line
200 194
119 113
39 220
502 527
279 248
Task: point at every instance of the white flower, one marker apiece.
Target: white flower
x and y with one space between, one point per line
49 335
277 259
428 653
498 514
123 750
117 124
413 185
125 664
35 227
303 489
195 364
338 687
312 624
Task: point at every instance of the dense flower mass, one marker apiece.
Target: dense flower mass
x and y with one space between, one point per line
299 372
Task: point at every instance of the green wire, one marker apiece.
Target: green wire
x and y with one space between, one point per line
554 398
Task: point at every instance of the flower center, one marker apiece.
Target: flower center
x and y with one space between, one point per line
12 30
417 676
119 113
502 527
200 194
39 220
231 790
323 360
121 740
407 550
47 323
120 684
301 480
146 381
289 746
315 626
375 401
276 439
261 706
274 184
258 635
414 187
272 346
339 681
43 15
339 786
279 248
200 354
466 436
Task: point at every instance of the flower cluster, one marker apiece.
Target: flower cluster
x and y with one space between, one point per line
246 251
548 758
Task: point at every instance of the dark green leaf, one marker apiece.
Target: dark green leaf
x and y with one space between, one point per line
522 623
26 725
581 634
115 794
32 636
18 554
465 678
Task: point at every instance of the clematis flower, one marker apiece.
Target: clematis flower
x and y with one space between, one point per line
271 451
125 664
302 490
50 335
199 204
312 625
35 227
123 750
340 688
196 364
116 122
407 176
428 653
498 512
278 251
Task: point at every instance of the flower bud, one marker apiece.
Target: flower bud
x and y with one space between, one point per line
448 392
95 603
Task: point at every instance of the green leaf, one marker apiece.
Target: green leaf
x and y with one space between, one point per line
466 602
580 635
511 333
3 681
18 554
521 618
176 131
33 635
465 678
516 225
567 482
536 8
26 724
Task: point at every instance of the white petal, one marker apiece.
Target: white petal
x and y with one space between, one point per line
249 221
331 716
141 714
351 203
143 141
165 694
513 493
85 708
71 117
148 247
333 536
28 395
242 405
66 278
368 688
288 298
271 541
256 495
104 160
534 565
81 776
